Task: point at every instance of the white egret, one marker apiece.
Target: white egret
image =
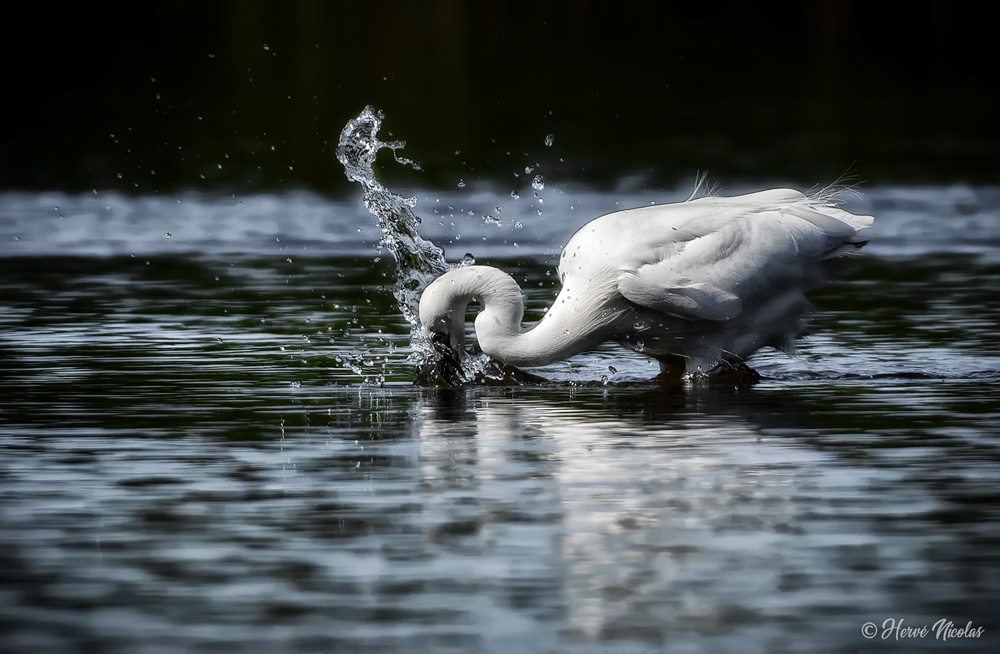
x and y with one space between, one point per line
699 285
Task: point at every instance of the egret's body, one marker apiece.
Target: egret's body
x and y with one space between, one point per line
695 284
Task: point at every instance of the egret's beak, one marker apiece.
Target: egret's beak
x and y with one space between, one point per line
443 368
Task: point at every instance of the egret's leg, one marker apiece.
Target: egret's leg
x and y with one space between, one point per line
672 366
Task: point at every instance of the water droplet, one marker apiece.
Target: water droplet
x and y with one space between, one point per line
639 344
468 259
514 195
614 371
461 183
528 170
538 183
518 225
167 234
549 140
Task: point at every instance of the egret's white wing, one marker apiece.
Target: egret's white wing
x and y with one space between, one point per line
691 275
707 268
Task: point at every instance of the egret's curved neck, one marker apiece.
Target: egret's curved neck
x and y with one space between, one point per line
498 325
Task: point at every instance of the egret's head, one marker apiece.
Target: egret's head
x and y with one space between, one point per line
442 318
442 315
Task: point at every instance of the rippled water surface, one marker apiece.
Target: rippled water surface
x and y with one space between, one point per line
210 443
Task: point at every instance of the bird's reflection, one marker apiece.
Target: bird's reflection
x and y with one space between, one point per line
639 405
641 472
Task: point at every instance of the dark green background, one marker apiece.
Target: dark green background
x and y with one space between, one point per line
162 93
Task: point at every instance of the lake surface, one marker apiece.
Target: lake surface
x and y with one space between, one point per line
210 443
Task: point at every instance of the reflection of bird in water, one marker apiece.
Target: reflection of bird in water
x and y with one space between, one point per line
698 285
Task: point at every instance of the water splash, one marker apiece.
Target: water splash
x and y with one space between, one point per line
418 261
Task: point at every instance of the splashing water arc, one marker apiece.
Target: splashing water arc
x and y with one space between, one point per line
418 261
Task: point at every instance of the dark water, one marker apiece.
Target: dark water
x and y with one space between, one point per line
210 443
